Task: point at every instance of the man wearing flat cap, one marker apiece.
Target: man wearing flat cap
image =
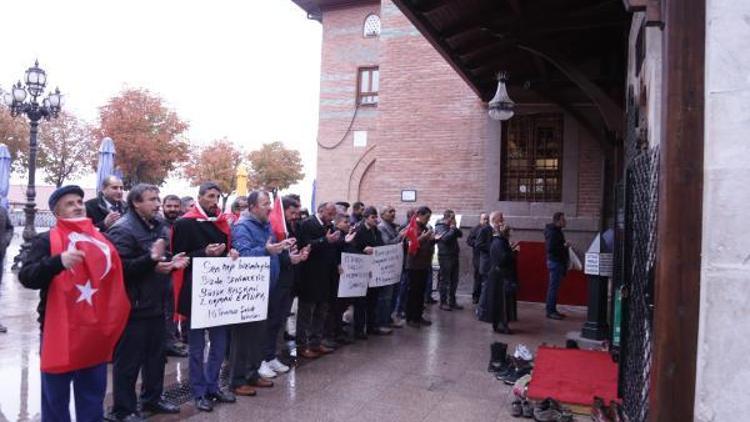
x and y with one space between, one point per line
83 308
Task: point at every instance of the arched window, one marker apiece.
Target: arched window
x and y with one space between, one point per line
372 26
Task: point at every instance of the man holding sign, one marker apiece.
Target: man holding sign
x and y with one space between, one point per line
203 232
368 237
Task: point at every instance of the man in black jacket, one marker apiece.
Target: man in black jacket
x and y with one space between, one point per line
447 235
107 207
483 243
317 279
175 338
141 240
366 238
472 242
6 235
557 261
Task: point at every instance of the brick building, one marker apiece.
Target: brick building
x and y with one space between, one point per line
395 117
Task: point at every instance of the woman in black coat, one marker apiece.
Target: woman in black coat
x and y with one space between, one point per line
497 304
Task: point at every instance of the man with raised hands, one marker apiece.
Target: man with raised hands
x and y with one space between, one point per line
83 308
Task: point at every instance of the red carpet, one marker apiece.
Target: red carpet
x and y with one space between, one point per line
533 277
573 376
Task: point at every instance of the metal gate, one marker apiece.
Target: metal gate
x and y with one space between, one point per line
637 203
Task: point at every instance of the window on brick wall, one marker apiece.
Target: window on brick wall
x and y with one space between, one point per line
368 82
532 159
371 27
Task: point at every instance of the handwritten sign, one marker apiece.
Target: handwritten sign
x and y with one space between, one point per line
387 263
229 292
355 275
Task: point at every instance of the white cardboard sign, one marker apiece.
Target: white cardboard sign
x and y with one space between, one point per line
387 264
355 275
227 291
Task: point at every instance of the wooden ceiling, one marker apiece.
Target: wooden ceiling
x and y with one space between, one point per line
563 51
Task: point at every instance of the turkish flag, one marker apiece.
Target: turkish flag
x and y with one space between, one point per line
412 235
87 306
278 223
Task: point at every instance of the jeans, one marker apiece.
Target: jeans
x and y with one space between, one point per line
140 349
383 310
89 386
246 351
556 273
401 294
204 375
448 280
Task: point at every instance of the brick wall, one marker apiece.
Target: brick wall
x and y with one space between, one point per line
589 175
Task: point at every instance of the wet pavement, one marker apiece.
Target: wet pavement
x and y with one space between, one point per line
436 373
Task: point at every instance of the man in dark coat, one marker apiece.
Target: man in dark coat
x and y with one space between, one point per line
171 210
317 278
107 207
366 238
447 235
557 261
483 243
6 235
203 232
141 240
471 240
418 266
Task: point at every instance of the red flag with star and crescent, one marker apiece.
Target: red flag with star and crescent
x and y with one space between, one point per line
87 306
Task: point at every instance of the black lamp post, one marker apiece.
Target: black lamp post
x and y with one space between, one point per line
26 101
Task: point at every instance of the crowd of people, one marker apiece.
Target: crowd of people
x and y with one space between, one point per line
154 241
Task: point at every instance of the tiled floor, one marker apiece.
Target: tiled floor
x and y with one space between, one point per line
436 373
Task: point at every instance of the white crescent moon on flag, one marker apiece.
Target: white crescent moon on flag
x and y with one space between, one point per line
75 237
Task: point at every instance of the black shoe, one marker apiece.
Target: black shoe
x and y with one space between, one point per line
502 329
222 396
445 307
430 301
516 374
414 324
3 329
175 351
555 316
425 322
204 404
289 337
162 406
133 417
475 300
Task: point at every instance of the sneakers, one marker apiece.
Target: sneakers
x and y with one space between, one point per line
277 366
556 316
265 370
549 410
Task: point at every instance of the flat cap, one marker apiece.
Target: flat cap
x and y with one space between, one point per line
62 191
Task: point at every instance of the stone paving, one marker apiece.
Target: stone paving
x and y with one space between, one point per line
435 373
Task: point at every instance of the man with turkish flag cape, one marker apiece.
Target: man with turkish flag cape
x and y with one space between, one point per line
87 307
83 308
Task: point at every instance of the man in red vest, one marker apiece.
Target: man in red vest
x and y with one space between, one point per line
83 308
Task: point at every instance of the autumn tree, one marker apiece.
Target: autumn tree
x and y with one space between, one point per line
274 167
64 144
14 133
149 137
215 162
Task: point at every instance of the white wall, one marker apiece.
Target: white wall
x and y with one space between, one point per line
723 373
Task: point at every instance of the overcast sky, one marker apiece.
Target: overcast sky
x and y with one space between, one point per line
247 70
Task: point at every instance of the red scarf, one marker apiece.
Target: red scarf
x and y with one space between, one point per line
222 222
87 306
412 235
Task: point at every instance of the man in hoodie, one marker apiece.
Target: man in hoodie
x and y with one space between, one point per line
447 235
557 261
141 240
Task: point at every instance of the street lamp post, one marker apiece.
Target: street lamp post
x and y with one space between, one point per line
25 101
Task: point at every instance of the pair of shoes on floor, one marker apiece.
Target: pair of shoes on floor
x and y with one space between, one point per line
516 369
269 369
600 412
550 410
521 408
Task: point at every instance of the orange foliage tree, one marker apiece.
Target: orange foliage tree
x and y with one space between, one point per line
274 167
64 143
149 137
14 133
216 162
